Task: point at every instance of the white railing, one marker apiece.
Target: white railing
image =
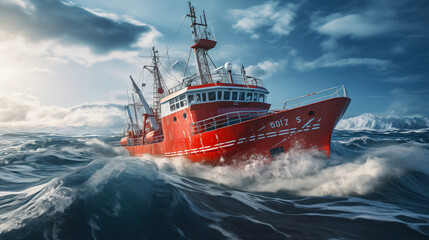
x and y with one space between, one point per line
334 92
237 79
225 120
218 77
139 141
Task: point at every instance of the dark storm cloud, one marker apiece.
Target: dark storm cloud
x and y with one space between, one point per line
54 19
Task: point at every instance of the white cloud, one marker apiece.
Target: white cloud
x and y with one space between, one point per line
101 13
38 69
21 3
271 15
377 19
371 19
330 44
330 60
56 52
18 59
13 45
84 56
23 112
265 69
355 25
406 79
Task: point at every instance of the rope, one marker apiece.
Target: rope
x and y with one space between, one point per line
162 65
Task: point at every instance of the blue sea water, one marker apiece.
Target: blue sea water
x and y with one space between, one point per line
65 186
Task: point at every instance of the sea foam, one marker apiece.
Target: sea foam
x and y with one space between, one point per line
307 173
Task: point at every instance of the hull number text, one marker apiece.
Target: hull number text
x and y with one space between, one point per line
279 123
283 122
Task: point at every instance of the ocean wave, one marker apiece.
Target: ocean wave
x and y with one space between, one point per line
151 196
106 196
369 121
308 173
58 194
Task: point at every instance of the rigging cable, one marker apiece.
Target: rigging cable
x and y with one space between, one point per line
174 38
187 61
175 35
211 60
162 65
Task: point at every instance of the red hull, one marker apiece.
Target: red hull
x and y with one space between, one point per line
305 127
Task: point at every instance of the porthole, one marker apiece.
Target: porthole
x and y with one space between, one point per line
311 113
184 115
174 119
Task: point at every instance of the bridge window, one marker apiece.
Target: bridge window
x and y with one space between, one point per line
191 99
226 95
261 97
172 105
183 101
242 96
176 100
212 96
249 97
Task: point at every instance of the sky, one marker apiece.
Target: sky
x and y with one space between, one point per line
58 55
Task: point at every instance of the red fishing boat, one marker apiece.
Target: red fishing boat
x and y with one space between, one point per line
218 117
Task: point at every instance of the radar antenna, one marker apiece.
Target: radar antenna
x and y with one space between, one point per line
203 41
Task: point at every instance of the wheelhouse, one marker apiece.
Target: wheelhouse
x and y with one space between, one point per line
193 96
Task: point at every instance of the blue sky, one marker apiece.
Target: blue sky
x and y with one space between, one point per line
67 53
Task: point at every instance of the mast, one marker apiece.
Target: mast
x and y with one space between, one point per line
203 41
159 85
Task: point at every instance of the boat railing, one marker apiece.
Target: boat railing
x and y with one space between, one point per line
241 79
218 77
225 120
139 141
187 82
335 92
